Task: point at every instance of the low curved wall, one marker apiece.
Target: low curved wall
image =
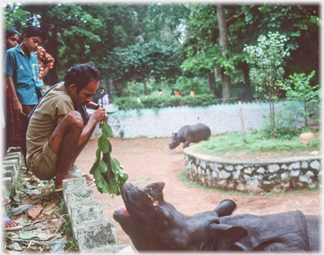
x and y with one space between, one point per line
253 175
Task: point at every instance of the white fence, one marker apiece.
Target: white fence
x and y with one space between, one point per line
163 122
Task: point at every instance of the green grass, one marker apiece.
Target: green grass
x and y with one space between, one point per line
233 146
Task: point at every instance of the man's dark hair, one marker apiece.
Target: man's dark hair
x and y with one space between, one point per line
33 31
11 32
81 75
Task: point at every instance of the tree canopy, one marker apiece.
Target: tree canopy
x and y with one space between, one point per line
170 42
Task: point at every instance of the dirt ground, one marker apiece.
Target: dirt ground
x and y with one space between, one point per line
148 160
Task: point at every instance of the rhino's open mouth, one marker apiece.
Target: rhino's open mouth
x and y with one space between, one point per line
132 194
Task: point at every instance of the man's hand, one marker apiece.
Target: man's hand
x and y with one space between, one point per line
100 116
105 119
18 109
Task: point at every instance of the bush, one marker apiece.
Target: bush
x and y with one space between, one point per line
150 102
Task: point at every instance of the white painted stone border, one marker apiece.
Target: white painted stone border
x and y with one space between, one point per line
260 175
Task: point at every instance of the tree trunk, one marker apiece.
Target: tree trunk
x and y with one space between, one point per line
247 85
272 115
145 89
212 83
223 42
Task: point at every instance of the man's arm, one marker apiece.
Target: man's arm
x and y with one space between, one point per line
92 105
47 60
16 103
98 116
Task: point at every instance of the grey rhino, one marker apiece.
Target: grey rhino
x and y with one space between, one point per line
190 134
155 225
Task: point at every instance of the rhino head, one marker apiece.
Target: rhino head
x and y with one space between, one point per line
155 225
175 141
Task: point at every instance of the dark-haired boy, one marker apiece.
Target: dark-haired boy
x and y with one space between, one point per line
21 70
57 132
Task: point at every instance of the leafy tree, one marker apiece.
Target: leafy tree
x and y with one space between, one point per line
267 58
165 23
144 61
298 22
299 89
15 17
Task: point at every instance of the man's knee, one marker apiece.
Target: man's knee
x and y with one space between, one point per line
74 120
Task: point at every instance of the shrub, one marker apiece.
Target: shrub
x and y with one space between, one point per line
150 102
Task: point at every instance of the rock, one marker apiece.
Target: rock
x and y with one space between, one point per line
14 246
314 153
305 137
20 209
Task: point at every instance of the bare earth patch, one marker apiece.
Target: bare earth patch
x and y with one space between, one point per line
148 160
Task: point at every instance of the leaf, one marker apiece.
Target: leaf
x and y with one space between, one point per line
97 174
113 186
103 144
27 235
106 130
98 154
123 175
100 183
103 166
94 166
114 167
105 188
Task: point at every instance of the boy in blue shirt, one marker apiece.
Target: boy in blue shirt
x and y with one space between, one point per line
21 71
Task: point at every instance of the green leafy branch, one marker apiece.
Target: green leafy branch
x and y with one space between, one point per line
108 172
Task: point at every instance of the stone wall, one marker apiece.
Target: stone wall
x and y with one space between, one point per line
253 175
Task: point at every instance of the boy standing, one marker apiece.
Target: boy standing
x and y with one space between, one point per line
21 71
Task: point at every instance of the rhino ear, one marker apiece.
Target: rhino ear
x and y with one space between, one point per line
226 207
234 234
228 234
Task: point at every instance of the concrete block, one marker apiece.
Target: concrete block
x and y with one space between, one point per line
74 183
16 155
11 168
12 162
77 195
14 149
96 234
118 249
7 173
76 172
8 183
86 211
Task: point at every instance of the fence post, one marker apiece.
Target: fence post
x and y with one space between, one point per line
242 122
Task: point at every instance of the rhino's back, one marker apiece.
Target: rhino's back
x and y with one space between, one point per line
313 230
196 133
274 232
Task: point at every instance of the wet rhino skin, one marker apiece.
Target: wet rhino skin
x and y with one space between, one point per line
155 225
190 134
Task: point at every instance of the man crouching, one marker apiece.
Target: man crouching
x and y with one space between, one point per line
59 127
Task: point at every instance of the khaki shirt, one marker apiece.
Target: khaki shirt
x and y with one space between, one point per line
50 111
